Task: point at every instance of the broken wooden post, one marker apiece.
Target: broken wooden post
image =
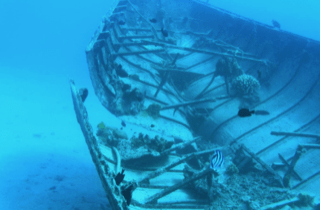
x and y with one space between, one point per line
287 164
263 164
180 146
287 176
163 81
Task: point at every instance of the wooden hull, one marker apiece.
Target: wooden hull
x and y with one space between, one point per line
133 65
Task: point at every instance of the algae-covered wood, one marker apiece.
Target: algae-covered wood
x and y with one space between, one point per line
182 72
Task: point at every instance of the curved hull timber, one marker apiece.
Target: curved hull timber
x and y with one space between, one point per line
184 84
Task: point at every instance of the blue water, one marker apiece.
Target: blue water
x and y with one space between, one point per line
44 161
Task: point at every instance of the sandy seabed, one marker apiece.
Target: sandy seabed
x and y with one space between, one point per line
44 160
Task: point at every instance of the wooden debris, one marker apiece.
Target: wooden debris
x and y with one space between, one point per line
180 146
287 176
173 164
168 190
287 164
295 134
310 146
263 164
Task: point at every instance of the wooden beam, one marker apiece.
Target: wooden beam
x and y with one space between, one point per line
287 176
180 146
313 146
154 198
277 133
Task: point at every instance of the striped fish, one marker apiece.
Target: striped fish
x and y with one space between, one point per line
216 160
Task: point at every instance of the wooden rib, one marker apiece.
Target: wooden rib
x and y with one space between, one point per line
207 52
204 100
176 121
269 98
178 70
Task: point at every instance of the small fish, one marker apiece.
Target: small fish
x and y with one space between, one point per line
164 32
123 123
276 24
153 20
216 160
152 125
119 178
247 113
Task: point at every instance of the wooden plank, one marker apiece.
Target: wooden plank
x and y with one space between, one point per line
277 133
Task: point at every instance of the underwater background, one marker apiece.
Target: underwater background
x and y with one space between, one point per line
44 161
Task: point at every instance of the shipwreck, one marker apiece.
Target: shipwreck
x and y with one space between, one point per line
181 73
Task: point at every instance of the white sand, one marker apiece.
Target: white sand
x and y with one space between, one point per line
44 160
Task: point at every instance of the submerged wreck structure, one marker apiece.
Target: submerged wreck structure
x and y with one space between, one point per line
180 74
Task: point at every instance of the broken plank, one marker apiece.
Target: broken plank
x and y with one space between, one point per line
276 133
